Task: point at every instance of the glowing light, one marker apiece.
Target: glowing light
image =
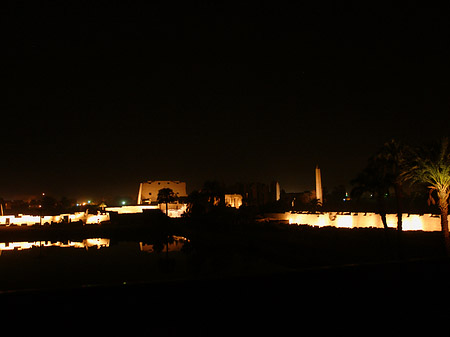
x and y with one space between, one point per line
96 219
29 220
426 222
130 209
97 242
16 245
321 221
413 222
233 200
22 245
175 246
344 221
124 202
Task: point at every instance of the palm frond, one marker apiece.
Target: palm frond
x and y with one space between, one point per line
431 166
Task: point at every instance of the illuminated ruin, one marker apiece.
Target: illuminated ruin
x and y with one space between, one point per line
148 191
425 222
233 200
29 220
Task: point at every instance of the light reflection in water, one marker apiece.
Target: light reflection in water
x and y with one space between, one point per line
25 265
175 246
87 243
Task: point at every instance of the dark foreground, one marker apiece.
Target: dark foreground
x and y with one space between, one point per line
262 279
374 299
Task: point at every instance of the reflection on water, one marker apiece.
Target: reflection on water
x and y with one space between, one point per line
174 244
86 243
50 264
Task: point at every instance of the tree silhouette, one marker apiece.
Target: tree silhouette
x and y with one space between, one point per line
210 199
49 205
197 203
431 165
165 196
384 171
371 180
391 160
215 193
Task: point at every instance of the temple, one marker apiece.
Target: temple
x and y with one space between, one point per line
148 191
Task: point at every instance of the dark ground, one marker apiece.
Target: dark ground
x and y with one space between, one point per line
325 282
388 299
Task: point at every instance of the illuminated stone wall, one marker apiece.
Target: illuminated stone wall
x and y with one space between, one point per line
175 211
130 209
425 222
233 200
29 220
148 191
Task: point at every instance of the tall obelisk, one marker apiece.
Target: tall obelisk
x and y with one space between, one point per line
319 195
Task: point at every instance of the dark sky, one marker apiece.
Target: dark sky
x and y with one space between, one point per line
101 95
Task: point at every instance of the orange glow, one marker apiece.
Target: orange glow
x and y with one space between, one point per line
320 222
413 222
130 209
87 243
175 246
344 221
98 218
30 220
233 200
426 222
97 242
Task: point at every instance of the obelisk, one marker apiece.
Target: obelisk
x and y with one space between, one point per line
319 195
277 192
139 198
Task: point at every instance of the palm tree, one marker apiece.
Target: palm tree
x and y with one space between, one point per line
165 196
215 192
370 180
197 204
391 160
431 166
385 171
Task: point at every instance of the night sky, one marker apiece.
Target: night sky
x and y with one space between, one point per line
102 96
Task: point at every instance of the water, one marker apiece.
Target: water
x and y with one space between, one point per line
92 261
